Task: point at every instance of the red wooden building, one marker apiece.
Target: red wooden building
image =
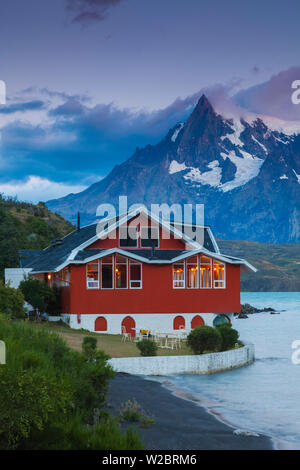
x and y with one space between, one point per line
138 272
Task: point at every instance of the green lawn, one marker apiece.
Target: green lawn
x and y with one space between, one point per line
111 344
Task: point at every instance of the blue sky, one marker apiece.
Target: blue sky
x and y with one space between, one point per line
90 80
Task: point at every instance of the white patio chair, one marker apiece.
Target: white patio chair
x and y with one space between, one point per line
125 335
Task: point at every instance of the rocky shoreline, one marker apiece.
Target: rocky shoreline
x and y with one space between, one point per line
247 309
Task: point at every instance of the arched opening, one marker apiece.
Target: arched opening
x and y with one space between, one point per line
128 324
178 323
100 324
221 320
197 321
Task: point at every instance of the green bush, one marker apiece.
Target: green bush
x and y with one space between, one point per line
147 347
89 343
48 394
42 297
11 302
204 338
229 336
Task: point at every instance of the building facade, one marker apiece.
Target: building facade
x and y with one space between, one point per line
136 272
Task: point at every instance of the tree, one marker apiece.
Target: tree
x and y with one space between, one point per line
39 295
204 338
11 301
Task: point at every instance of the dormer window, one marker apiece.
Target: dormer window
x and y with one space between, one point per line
128 237
149 236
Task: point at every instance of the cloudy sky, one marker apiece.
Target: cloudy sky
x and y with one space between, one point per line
90 80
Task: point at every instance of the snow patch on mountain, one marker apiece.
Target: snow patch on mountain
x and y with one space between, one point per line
260 144
212 177
247 168
234 138
175 135
297 176
175 167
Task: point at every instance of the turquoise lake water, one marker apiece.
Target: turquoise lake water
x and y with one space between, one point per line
265 396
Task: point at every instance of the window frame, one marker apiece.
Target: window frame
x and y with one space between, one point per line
148 239
113 277
211 274
174 280
136 240
115 271
197 270
223 281
87 282
135 280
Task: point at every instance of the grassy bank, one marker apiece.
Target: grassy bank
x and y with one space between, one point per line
53 397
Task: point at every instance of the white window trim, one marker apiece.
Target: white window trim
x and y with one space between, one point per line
174 281
135 280
87 282
224 282
158 238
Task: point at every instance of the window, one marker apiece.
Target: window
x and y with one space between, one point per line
121 272
219 275
107 272
92 275
205 272
128 237
178 275
149 235
135 274
192 272
65 276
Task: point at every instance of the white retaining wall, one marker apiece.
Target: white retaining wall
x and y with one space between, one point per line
143 321
168 365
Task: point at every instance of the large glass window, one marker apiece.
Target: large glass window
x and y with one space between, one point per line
121 272
107 272
205 272
178 275
135 273
92 275
219 275
192 272
149 236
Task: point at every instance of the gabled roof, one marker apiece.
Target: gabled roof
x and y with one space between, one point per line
72 249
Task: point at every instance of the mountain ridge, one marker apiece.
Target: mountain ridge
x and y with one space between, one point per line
245 173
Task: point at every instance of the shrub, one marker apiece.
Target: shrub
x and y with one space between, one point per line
11 302
89 343
229 336
48 393
147 347
204 338
42 297
132 412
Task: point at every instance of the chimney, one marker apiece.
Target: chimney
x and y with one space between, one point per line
153 250
78 221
